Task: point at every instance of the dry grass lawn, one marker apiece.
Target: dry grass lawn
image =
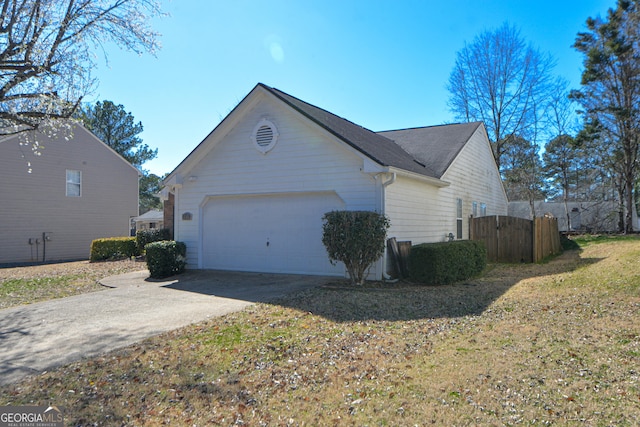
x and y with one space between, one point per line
26 285
548 344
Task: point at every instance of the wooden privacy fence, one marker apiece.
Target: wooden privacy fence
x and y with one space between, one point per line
511 239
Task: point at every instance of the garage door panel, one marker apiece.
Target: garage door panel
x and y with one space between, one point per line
276 233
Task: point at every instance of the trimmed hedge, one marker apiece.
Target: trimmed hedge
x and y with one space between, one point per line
113 248
447 262
144 237
165 258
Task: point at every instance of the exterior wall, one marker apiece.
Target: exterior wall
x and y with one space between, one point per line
147 225
34 201
423 213
305 159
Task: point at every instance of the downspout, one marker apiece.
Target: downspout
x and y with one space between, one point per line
385 184
390 181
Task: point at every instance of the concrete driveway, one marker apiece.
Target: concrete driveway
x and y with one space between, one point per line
41 336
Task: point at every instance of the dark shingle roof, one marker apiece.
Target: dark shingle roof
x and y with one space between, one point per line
434 146
427 151
375 146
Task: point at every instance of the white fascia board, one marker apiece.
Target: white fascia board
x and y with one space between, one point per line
164 194
173 181
371 167
423 178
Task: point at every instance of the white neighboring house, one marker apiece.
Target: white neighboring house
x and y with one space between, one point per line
152 219
251 195
586 216
54 204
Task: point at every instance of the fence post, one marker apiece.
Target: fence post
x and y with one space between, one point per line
534 240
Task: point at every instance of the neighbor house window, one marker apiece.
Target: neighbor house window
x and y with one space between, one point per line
459 220
74 183
152 225
483 209
475 209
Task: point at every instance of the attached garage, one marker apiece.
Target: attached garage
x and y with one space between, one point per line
273 233
251 195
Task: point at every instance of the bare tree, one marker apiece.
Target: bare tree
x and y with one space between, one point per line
560 156
503 81
47 53
522 171
561 116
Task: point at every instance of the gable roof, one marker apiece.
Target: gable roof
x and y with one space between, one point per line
426 151
151 215
67 128
434 146
378 148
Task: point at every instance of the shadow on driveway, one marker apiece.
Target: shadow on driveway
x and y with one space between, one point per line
251 287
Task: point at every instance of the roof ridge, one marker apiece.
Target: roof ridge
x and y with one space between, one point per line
278 92
430 126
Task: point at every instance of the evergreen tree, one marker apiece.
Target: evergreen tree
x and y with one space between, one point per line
610 93
117 128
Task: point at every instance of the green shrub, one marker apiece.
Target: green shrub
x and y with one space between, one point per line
165 258
113 248
144 237
567 243
446 262
357 238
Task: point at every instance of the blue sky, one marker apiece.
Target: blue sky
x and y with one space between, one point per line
381 64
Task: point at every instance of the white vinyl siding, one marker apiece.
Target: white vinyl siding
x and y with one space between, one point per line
35 202
423 213
74 183
306 160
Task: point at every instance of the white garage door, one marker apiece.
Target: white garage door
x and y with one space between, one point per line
275 233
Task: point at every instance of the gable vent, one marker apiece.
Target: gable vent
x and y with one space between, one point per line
264 136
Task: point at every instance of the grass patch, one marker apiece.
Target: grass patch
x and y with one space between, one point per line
554 343
588 239
26 291
27 285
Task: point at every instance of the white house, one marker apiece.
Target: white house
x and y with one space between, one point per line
149 220
252 194
592 216
54 204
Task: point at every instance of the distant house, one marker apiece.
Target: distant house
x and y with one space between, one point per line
150 220
54 204
252 194
580 216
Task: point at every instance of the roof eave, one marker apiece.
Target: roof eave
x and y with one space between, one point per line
424 178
